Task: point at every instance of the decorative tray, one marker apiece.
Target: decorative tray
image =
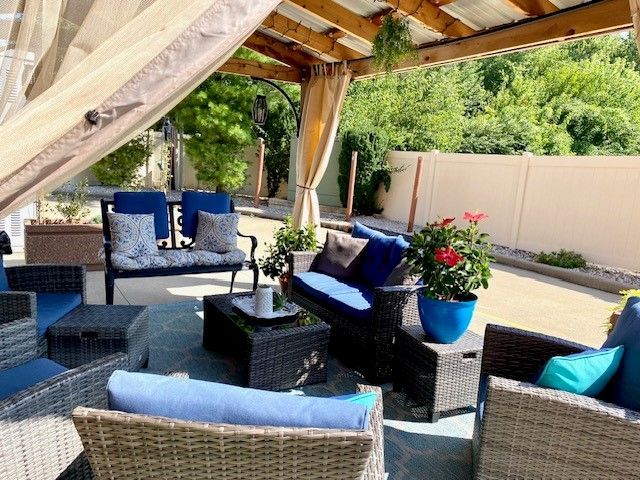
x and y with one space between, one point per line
245 305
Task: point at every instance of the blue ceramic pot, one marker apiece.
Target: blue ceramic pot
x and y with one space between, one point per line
445 321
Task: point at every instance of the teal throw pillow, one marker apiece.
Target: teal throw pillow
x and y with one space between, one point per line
586 373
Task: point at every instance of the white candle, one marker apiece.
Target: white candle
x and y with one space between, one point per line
264 301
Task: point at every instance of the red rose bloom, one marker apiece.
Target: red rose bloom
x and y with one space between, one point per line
448 256
475 217
445 221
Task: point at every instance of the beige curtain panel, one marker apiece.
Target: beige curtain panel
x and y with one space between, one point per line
323 97
129 61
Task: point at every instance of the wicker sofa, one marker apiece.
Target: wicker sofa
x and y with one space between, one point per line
42 292
524 431
364 344
38 437
123 446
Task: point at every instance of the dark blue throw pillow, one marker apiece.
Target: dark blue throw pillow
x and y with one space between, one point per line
207 202
382 254
624 388
145 202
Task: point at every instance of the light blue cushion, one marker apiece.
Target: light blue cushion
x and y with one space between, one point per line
624 388
145 202
53 306
199 401
4 281
16 379
585 373
204 201
381 255
357 305
320 286
368 399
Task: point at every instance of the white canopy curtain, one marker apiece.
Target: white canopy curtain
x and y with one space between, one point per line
322 100
129 60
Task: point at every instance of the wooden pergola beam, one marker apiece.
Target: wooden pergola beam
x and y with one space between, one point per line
319 42
533 8
252 68
570 24
339 17
433 18
280 51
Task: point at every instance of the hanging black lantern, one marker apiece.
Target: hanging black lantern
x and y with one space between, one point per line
260 110
166 129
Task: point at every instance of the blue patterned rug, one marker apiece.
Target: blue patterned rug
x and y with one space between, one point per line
414 448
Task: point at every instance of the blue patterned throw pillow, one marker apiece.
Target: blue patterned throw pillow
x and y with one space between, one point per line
217 232
132 235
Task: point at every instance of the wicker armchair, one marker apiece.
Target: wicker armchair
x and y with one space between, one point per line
38 438
123 446
26 281
525 431
367 346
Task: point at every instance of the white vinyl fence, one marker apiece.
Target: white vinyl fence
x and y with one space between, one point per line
587 204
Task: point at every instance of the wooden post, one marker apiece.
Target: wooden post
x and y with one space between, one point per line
414 198
352 184
256 196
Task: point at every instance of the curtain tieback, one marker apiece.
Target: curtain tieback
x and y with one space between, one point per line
304 188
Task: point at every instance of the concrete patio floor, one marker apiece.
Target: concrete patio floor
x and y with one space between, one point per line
515 297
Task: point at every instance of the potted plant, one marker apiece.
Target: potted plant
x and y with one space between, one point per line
452 262
287 239
625 295
63 233
393 42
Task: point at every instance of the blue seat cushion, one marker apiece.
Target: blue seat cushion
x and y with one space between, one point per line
4 281
585 373
16 379
357 305
53 306
199 401
205 201
382 254
145 202
624 388
320 286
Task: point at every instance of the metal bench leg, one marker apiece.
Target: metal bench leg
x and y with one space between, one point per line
233 280
109 286
256 272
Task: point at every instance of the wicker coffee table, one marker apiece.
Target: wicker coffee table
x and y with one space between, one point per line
90 332
439 377
275 359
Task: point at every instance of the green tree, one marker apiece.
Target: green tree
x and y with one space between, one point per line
120 168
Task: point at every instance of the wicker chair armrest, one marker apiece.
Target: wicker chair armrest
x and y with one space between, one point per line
520 354
18 342
533 432
299 262
16 305
375 467
254 246
40 418
394 306
48 278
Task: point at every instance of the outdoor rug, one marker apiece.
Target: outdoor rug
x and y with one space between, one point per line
414 448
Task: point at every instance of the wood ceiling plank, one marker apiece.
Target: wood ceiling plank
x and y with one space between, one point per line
533 8
280 51
432 17
252 68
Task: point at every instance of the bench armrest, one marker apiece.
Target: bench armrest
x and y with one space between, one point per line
520 354
49 278
254 245
375 466
18 342
299 262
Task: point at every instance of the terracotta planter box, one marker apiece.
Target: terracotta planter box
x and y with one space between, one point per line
67 244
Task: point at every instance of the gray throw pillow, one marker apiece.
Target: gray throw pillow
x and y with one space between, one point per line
401 275
217 232
132 235
341 255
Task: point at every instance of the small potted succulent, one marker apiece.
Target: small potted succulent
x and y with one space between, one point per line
451 261
64 233
287 239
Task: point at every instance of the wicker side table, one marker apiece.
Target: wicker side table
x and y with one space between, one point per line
90 332
440 377
276 359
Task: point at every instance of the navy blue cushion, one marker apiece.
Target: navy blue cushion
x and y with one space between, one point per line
357 305
4 281
199 401
16 379
53 306
319 285
624 388
205 201
145 202
382 254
